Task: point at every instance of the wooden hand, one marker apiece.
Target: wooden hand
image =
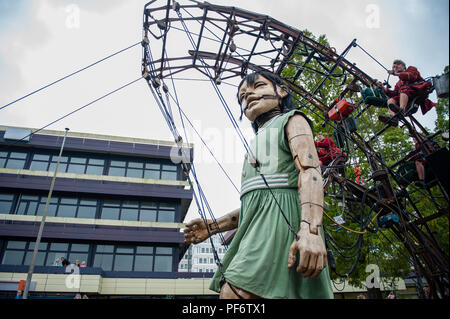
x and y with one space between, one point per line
313 255
196 231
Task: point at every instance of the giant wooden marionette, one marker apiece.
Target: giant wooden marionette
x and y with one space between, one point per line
281 180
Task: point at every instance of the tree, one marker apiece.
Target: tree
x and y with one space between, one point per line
442 107
353 251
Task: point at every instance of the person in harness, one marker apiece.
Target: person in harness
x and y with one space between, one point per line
410 85
327 150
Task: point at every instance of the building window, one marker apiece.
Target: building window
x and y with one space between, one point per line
68 164
58 206
20 253
138 211
79 207
6 202
133 258
14 160
143 170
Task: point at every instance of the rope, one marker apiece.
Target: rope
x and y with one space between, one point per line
68 76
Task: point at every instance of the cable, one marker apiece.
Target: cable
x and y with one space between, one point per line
68 76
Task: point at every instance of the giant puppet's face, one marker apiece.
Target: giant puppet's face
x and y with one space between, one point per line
259 97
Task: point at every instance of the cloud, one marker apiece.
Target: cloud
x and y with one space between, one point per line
20 32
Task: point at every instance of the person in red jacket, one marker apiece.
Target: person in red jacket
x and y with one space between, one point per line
326 150
410 85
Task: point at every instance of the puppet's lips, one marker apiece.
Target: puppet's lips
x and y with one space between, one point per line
252 103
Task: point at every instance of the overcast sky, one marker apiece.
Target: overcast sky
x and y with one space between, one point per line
43 40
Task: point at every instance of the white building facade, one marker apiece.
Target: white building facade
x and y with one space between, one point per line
200 257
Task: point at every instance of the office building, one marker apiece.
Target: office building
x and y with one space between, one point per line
117 206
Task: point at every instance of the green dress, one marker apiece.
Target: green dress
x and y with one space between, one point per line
257 258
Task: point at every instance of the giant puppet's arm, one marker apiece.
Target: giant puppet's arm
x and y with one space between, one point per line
196 231
313 254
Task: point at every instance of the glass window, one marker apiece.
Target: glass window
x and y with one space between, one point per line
129 214
12 257
52 256
59 246
72 201
110 213
123 263
61 168
115 171
16 244
39 166
67 211
80 247
105 248
15 164
155 167
104 261
51 209
94 161
6 201
167 206
94 170
88 202
148 215
76 169
149 205
172 168
171 176
135 165
6 197
77 256
41 157
163 250
119 163
130 204
86 212
163 263
42 246
124 250
40 258
143 263
78 160
132 172
18 155
112 203
152 174
166 216
144 250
